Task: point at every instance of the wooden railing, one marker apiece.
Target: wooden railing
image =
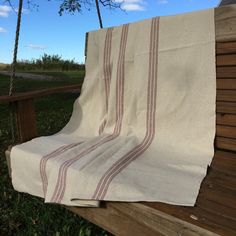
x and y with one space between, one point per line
24 108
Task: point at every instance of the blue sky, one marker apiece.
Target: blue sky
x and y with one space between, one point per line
44 31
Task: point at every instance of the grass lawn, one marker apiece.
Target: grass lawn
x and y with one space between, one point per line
62 74
22 214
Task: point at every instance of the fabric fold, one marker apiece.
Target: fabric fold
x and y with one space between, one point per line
144 123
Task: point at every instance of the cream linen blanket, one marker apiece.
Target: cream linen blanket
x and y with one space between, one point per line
144 125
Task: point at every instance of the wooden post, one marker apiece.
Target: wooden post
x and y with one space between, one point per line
26 119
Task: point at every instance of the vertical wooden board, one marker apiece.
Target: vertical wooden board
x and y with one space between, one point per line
26 120
7 154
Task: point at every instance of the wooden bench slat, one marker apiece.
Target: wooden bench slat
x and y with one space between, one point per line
219 195
226 131
225 119
226 83
139 219
226 72
226 48
226 107
225 143
224 162
220 179
226 95
195 215
209 218
226 60
217 209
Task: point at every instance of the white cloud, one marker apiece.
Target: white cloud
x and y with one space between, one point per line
5 10
2 30
24 10
162 1
35 46
132 5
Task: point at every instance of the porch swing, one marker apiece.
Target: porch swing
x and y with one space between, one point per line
215 210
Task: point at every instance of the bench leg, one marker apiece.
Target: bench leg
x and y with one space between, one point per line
7 154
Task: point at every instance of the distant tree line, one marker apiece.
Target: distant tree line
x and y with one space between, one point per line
49 63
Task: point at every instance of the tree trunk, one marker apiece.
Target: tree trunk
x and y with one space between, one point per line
99 14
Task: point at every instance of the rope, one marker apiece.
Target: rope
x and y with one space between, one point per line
13 70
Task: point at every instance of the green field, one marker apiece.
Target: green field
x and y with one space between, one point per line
68 75
22 214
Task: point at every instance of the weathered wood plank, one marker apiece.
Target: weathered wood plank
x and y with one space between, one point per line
224 161
225 119
195 215
226 48
226 60
226 83
226 72
217 209
226 107
226 131
225 23
218 179
134 219
221 196
225 143
226 95
26 120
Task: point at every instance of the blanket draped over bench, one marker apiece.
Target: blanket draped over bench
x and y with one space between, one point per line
142 129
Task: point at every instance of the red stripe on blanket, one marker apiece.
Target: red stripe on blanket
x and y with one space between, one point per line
61 180
106 72
44 160
124 161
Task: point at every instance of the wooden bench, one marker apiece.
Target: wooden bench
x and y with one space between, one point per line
215 209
